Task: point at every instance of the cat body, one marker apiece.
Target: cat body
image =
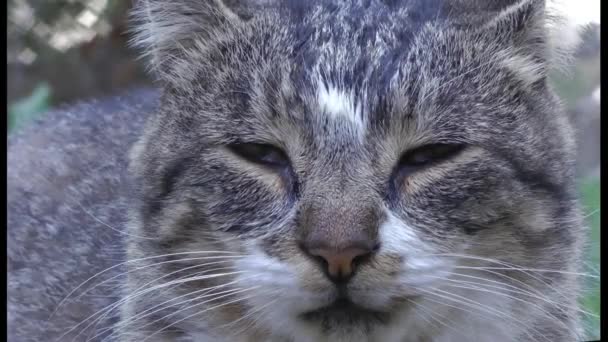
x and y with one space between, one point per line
312 171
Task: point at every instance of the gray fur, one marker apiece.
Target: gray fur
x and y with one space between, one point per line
345 89
71 162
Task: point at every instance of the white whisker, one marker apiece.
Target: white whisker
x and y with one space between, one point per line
162 263
140 293
511 266
159 307
477 288
432 315
253 312
204 290
122 264
529 270
471 303
515 289
200 312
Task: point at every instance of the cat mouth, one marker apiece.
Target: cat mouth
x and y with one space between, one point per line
343 311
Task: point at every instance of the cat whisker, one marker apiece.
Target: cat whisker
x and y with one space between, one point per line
162 263
537 270
250 314
194 275
476 305
204 292
125 263
142 292
432 314
159 307
200 312
506 264
516 289
528 303
113 228
478 313
596 211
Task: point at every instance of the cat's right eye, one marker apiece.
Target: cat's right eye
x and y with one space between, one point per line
262 154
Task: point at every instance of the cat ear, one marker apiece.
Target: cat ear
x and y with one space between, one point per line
165 30
531 37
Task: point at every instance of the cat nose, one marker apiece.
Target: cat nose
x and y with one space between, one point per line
340 264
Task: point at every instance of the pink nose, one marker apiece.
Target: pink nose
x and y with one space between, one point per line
340 264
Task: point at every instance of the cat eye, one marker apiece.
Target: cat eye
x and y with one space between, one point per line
428 155
262 154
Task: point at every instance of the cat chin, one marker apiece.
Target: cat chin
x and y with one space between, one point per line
402 326
286 319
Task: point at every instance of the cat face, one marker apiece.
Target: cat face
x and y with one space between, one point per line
346 162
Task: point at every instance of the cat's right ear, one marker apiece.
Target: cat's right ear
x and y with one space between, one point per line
167 30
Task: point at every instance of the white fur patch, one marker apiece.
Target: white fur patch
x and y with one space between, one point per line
278 296
525 68
340 103
420 266
265 270
396 236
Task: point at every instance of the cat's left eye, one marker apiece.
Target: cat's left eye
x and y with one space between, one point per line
428 155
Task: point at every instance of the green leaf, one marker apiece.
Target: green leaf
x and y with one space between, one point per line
590 191
29 108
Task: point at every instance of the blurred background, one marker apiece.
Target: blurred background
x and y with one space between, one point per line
63 51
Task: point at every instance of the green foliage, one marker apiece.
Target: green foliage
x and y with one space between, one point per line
29 107
591 302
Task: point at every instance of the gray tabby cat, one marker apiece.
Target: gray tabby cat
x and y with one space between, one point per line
362 170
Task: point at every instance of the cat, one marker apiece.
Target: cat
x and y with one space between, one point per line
361 170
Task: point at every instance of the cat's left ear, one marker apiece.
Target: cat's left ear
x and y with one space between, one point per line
533 39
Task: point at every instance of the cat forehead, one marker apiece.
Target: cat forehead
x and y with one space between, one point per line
338 56
349 66
345 32
350 83
353 76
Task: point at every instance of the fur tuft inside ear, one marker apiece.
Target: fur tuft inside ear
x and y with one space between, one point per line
532 34
564 37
